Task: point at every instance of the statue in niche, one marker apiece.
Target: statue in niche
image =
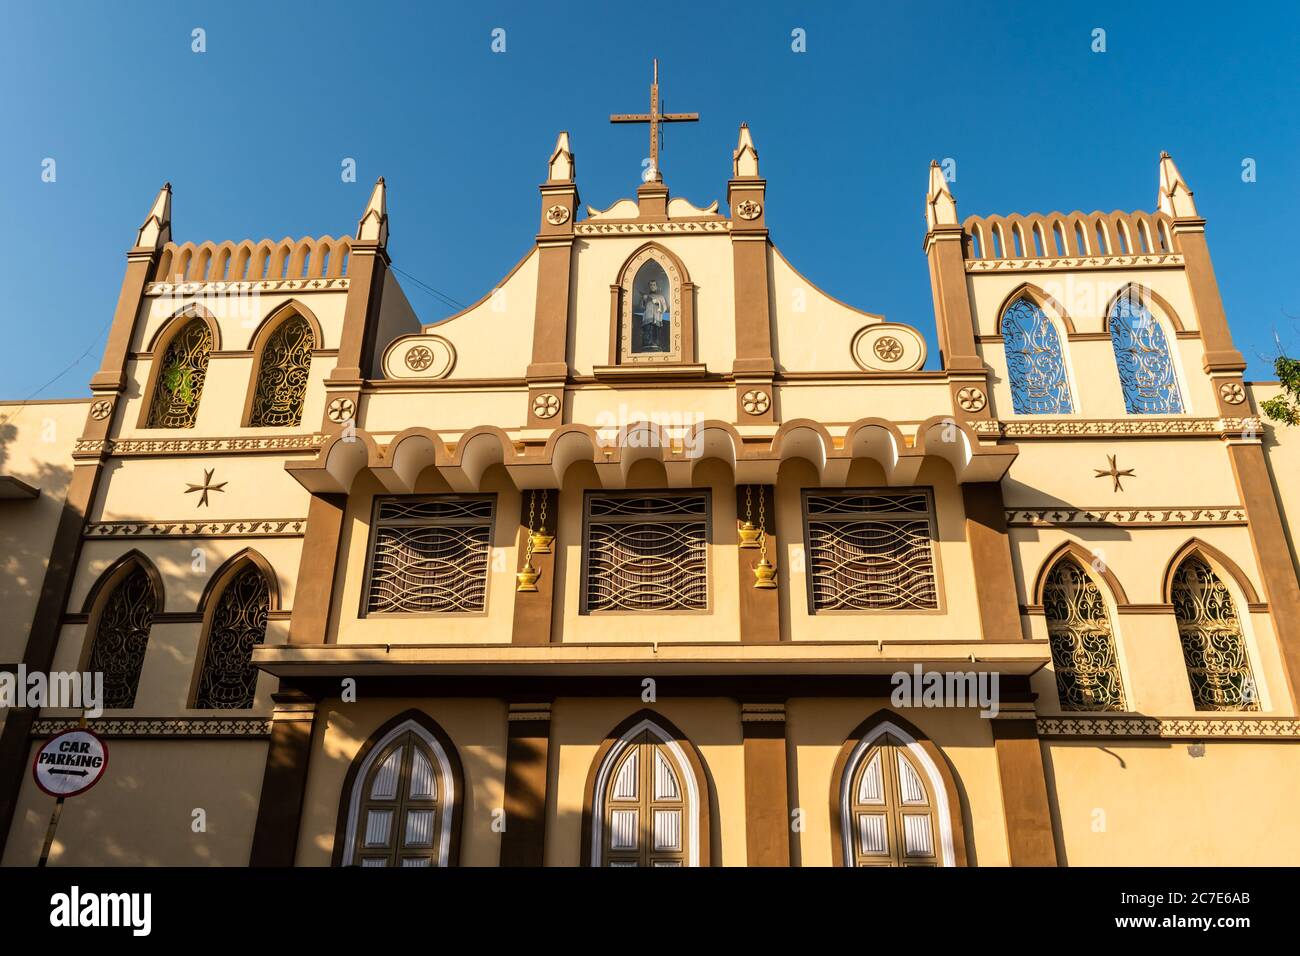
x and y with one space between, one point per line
650 308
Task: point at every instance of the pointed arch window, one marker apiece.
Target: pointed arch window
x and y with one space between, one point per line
646 801
1214 649
1035 364
403 803
653 311
227 677
122 635
1082 643
892 808
181 372
1146 367
285 364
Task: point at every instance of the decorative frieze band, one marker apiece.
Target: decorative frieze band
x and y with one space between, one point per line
127 447
1118 428
263 285
1177 727
146 727
651 228
1155 517
1075 262
236 528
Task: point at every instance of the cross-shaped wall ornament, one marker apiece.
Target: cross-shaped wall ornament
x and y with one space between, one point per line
1115 473
654 118
206 487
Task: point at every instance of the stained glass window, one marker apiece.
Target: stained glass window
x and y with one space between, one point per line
1083 647
1214 650
1035 366
1146 369
121 637
228 678
180 377
282 375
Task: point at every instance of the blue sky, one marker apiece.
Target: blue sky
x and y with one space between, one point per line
252 134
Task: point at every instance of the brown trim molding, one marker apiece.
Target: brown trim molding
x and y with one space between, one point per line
1172 728
760 609
767 801
533 610
1162 517
181 528
990 550
161 728
284 781
527 750
166 447
1025 803
317 569
1086 559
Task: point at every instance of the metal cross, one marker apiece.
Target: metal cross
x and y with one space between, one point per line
654 118
1114 473
206 487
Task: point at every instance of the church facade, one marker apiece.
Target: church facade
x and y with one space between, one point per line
658 555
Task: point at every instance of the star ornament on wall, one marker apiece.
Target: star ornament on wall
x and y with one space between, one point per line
1115 473
206 487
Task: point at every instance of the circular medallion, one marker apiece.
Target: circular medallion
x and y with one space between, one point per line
101 409
748 209
1232 393
971 399
419 358
755 401
341 409
546 405
888 349
557 215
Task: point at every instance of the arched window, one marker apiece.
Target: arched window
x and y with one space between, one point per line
227 677
1214 648
894 801
1146 368
182 369
121 627
646 800
1035 366
284 365
1082 644
404 799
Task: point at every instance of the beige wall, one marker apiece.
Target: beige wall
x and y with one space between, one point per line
36 440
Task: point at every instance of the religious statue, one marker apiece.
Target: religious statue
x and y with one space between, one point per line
655 319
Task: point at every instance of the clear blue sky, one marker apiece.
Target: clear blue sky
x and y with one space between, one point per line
252 132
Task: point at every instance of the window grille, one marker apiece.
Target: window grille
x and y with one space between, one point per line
430 555
646 553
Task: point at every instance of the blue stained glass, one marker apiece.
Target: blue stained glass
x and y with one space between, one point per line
1035 366
1146 370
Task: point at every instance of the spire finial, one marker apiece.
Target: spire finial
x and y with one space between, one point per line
1175 196
940 206
744 158
560 167
157 227
373 226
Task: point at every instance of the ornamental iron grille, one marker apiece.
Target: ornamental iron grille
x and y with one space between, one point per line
646 553
401 808
646 807
1146 370
180 377
121 637
1083 647
891 809
430 555
1214 650
282 377
228 679
870 552
1034 362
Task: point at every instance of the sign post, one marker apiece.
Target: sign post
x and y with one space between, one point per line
68 764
